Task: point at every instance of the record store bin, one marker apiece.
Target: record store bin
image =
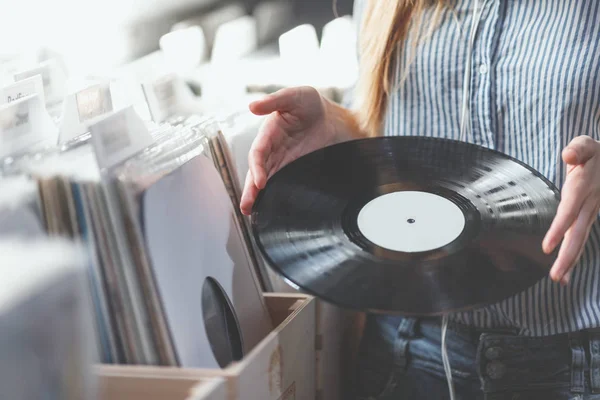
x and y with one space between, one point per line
282 366
127 269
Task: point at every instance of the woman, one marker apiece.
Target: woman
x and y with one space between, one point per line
522 77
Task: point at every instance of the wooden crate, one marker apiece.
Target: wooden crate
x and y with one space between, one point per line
337 338
281 367
128 383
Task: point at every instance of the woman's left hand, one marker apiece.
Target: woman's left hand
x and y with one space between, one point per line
578 208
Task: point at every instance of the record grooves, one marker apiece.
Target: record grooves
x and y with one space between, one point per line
409 225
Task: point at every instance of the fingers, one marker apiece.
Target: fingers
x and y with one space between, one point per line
248 195
580 150
266 147
260 160
577 209
257 159
574 193
283 100
263 144
574 242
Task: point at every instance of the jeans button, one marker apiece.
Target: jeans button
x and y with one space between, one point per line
495 370
493 353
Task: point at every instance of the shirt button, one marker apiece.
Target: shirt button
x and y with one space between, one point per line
483 69
493 353
495 370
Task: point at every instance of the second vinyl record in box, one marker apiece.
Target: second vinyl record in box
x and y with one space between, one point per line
417 226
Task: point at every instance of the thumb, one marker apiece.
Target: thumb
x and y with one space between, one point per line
580 150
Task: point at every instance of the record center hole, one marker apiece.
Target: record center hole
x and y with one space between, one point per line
411 221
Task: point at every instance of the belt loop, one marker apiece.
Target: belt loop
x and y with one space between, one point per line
406 331
594 339
577 363
408 327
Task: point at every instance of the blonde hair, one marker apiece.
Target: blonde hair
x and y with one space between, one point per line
384 30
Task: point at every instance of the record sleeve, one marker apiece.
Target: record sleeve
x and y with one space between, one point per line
191 233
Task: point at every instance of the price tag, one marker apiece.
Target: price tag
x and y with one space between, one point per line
93 102
15 121
119 136
22 89
24 123
161 96
83 108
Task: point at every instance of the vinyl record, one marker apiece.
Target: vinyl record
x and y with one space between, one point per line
408 225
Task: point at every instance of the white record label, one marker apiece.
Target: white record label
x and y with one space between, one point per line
411 221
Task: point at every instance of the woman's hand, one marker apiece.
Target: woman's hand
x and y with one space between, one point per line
299 121
578 208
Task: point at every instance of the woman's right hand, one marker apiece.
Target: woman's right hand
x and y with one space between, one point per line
299 121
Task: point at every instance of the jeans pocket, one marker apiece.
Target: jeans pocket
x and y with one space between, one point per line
377 376
540 394
382 361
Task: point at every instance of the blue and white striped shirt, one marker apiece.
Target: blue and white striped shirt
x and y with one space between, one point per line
535 85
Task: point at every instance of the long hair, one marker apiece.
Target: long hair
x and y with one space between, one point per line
383 33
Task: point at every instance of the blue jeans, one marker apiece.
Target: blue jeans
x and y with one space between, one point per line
400 358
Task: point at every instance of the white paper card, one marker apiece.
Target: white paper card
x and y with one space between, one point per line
22 89
24 123
162 97
84 108
126 90
54 80
169 96
118 137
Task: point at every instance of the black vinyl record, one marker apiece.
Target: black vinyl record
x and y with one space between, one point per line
408 225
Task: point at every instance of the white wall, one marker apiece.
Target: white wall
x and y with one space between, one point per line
89 32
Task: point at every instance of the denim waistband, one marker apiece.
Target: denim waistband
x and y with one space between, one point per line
580 350
476 332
